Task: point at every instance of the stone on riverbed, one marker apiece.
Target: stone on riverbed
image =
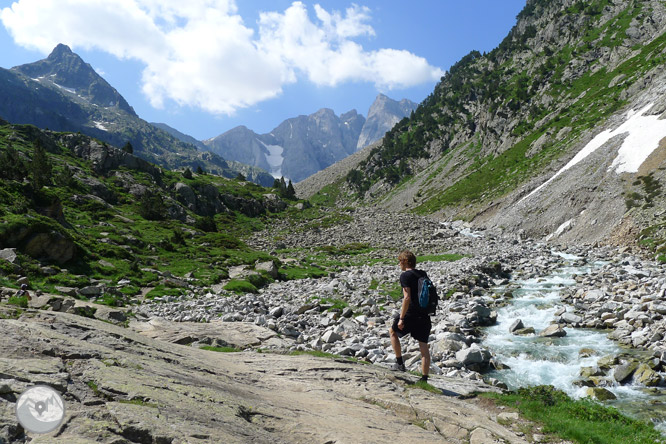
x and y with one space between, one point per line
644 375
600 393
624 371
553 331
517 325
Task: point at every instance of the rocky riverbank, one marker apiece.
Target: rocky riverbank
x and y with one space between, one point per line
347 313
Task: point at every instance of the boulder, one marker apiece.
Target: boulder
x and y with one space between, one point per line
571 318
553 331
599 393
69 291
53 246
109 314
90 291
624 371
269 267
474 355
525 331
587 372
330 337
185 195
448 345
9 254
517 325
276 312
273 203
644 375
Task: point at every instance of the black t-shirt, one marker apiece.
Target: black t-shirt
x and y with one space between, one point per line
410 279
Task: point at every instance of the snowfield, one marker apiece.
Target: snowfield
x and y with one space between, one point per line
642 136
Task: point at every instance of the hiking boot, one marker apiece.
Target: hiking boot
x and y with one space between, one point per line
399 367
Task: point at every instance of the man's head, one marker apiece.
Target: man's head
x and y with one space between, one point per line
407 259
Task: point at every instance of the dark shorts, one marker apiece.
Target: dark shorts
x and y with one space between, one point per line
417 326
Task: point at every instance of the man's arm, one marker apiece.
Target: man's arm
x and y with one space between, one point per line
406 291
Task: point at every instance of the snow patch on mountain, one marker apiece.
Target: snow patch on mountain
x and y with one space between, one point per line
274 159
643 134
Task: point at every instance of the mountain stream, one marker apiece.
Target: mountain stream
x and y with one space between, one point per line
535 360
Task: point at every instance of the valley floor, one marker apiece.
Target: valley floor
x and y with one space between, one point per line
152 382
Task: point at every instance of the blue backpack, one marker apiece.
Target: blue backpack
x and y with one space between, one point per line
427 295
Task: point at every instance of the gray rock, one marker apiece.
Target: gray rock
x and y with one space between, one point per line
91 291
624 371
516 325
571 318
276 312
330 337
69 291
110 315
473 355
9 255
553 331
268 267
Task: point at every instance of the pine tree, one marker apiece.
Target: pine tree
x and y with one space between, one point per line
128 148
12 166
291 192
187 174
200 170
40 167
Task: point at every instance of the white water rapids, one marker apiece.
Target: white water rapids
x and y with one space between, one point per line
534 360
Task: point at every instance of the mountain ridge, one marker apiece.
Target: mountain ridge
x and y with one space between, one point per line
63 93
500 124
303 145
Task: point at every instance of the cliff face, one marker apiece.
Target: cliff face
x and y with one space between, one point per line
304 145
298 147
500 124
382 116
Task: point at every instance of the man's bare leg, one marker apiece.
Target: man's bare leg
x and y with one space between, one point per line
425 358
395 343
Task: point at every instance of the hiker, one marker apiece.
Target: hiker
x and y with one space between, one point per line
23 291
411 319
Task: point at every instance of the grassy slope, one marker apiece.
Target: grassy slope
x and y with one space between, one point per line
114 241
494 82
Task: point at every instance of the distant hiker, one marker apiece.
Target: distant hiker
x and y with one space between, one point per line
412 319
24 292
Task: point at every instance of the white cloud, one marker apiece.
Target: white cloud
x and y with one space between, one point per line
203 55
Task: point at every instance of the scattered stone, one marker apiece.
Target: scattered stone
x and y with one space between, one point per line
553 331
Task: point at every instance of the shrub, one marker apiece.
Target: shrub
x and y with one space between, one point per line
206 223
152 207
240 286
19 301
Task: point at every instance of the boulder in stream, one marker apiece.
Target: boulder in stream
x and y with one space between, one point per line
553 331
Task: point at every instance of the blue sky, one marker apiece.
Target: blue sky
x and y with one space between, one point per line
217 64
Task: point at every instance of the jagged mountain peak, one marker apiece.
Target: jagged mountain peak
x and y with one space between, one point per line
60 51
68 71
383 114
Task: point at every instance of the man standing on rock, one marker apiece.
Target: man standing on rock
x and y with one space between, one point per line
412 319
